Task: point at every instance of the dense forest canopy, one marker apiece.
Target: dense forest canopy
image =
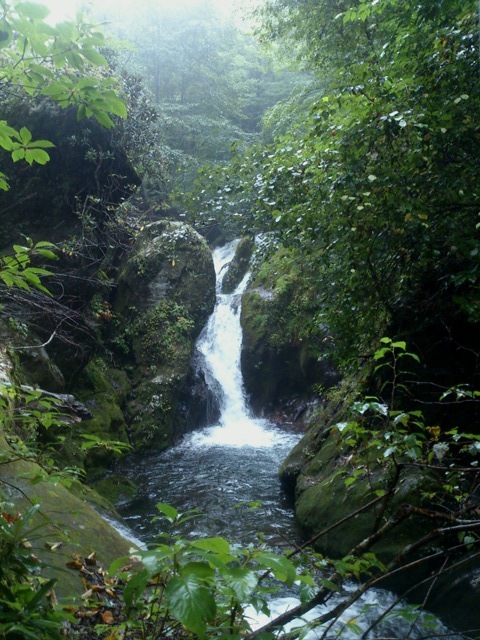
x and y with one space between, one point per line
375 179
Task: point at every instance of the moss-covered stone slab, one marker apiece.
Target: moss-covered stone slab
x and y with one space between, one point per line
64 518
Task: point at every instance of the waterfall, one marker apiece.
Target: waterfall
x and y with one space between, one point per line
226 468
220 344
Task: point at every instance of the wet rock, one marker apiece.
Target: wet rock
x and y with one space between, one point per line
63 517
39 370
275 373
333 487
238 267
166 291
198 403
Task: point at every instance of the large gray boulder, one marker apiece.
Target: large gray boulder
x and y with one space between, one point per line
166 291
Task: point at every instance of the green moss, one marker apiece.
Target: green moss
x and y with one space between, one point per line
255 317
103 392
333 480
115 489
152 426
323 500
64 518
166 292
167 333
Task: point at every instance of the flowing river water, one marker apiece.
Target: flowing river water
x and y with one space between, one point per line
228 471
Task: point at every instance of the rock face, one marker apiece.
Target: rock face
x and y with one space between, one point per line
166 291
87 160
274 374
239 265
283 350
70 520
278 365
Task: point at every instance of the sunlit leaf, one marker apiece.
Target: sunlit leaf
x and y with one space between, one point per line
33 10
216 545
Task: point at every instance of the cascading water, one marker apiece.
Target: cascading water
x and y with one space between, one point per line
220 344
228 471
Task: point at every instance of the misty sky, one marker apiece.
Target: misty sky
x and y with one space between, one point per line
64 9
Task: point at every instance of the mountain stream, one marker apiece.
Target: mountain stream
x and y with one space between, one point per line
228 471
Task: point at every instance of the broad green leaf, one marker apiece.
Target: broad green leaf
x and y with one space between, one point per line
200 569
24 135
6 130
118 564
306 592
87 83
31 277
168 511
241 580
82 112
282 568
94 57
56 90
42 144
75 59
39 46
135 588
36 155
7 278
154 560
103 118
216 545
191 603
217 560
116 106
18 154
44 243
32 10
6 143
46 253
18 248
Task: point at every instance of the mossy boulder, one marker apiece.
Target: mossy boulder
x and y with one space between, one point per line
103 391
36 368
64 517
343 495
331 480
283 350
166 291
277 368
116 488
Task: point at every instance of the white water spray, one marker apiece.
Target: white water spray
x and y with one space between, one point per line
221 344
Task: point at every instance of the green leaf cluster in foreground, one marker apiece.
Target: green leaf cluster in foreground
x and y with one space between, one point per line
60 63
